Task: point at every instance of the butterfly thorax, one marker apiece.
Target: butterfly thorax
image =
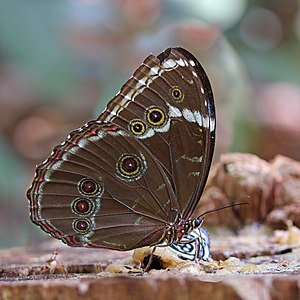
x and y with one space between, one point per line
175 232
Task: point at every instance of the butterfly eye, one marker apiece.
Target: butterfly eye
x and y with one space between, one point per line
177 93
89 187
82 225
137 127
82 206
130 167
156 116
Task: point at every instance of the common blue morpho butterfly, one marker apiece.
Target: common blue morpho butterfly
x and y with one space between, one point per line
133 177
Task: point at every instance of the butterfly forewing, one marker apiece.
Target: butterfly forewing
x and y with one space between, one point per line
98 188
172 85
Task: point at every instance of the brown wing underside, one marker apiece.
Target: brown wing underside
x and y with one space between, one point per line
127 213
184 149
107 186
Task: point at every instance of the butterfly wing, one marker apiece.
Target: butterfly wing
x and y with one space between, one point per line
118 181
101 188
168 105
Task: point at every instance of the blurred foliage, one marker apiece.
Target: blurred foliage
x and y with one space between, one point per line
62 60
30 39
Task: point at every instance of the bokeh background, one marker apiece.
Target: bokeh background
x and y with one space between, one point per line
61 61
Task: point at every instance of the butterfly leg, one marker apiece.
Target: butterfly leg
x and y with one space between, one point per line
149 261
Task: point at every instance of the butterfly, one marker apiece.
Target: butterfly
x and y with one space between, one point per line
133 176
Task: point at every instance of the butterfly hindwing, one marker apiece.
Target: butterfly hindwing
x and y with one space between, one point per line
98 188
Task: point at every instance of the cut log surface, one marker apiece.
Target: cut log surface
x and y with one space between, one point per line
244 267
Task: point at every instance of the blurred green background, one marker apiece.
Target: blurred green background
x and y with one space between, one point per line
61 61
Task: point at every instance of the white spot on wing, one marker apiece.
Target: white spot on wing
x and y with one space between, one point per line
47 175
188 115
94 138
138 220
205 121
212 124
118 133
82 143
65 156
202 90
189 81
161 187
142 82
194 159
57 164
194 174
169 64
72 150
150 132
101 134
154 70
192 63
198 118
180 62
174 112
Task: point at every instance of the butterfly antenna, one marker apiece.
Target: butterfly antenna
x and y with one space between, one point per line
224 207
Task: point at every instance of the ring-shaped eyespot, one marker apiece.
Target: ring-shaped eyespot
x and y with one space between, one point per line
83 206
177 93
89 187
156 117
130 167
137 127
82 226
